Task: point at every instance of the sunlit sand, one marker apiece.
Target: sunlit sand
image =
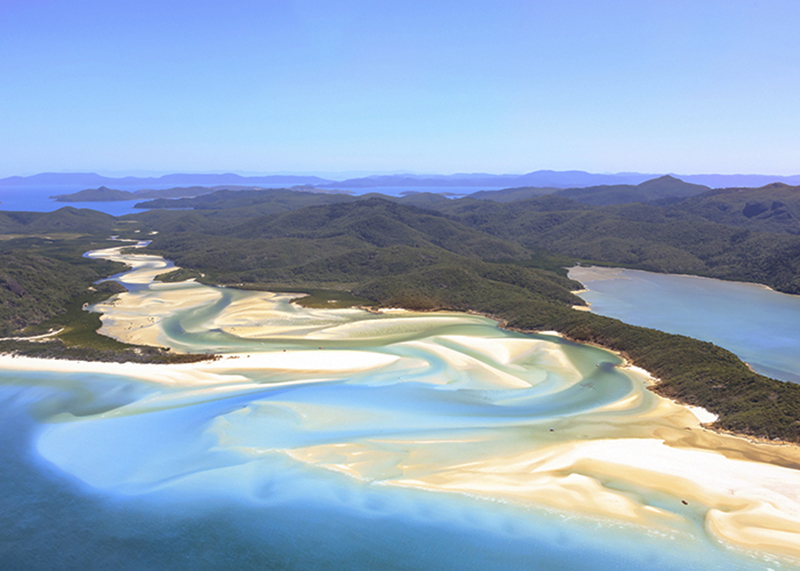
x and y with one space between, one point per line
527 420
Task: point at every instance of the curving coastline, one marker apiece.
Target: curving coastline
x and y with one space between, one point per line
616 456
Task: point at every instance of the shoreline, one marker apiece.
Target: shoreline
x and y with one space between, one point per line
35 338
147 336
628 362
657 451
147 326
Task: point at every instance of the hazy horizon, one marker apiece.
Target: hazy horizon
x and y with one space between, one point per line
341 175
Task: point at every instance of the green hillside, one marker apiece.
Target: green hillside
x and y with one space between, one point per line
725 234
772 208
265 201
41 279
655 189
644 236
321 244
512 194
67 219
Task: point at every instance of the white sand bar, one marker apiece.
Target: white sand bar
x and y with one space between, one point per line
471 410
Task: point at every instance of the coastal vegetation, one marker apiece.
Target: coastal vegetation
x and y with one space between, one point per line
40 278
46 284
67 219
503 258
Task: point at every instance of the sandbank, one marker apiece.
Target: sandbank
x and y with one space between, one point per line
747 503
135 317
745 493
645 446
222 370
267 314
594 273
43 337
704 416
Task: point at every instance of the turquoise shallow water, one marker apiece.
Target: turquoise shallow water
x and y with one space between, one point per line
299 452
53 522
760 325
203 508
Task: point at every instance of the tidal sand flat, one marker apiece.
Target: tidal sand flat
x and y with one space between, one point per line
758 324
345 439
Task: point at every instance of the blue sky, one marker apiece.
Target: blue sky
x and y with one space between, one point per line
387 86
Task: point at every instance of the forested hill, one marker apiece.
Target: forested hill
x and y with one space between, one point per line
656 189
262 201
512 194
275 200
656 238
773 208
105 194
738 234
665 187
67 219
41 265
99 194
326 245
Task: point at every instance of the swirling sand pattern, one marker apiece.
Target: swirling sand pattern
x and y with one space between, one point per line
441 402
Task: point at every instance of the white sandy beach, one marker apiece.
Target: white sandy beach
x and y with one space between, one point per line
747 493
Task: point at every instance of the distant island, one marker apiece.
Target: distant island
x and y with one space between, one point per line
101 194
105 194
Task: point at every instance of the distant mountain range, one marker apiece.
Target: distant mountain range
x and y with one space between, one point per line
541 178
557 179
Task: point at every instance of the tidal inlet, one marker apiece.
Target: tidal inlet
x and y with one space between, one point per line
347 439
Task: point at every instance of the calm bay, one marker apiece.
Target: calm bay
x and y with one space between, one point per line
758 324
